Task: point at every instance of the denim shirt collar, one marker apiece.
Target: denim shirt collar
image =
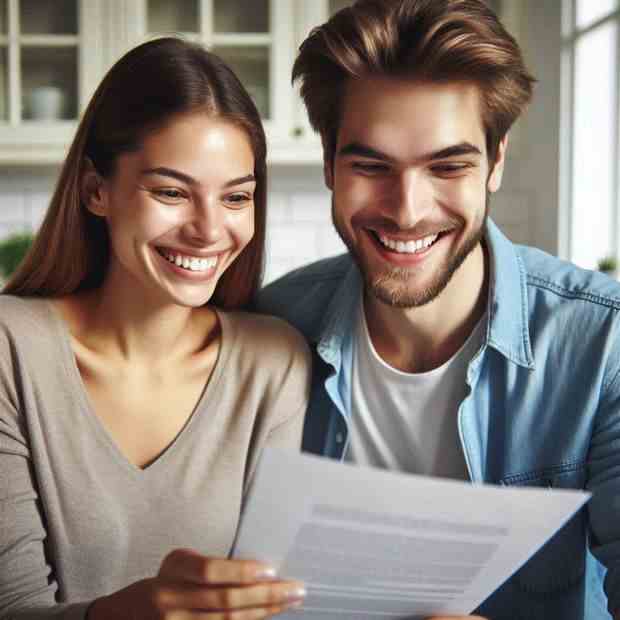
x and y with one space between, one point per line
507 310
336 328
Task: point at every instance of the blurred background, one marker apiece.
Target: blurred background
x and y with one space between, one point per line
561 186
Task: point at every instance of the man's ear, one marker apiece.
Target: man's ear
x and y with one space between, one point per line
495 178
92 191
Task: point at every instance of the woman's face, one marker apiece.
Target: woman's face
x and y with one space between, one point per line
179 210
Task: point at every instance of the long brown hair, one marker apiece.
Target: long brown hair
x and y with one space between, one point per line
426 40
150 84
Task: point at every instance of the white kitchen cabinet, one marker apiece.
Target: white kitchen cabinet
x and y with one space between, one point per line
69 44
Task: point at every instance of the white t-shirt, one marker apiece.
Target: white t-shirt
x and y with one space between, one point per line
408 421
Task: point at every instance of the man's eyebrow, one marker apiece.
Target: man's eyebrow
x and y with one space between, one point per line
463 148
185 178
455 150
362 150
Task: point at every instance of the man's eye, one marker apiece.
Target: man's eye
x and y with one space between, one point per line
369 167
450 170
169 194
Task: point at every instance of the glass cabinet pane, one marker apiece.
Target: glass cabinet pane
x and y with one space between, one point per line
241 15
177 16
48 16
336 5
251 64
4 91
49 83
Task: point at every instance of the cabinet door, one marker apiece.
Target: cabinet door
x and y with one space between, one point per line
43 62
254 37
40 54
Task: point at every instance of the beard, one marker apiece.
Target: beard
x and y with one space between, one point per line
391 286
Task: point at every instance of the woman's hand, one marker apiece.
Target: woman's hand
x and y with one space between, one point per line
190 586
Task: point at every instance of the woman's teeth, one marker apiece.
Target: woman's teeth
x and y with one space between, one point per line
407 247
191 263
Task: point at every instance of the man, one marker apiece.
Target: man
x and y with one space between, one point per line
442 348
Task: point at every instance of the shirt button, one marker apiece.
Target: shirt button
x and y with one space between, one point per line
339 437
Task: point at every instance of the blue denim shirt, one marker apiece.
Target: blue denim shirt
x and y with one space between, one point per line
543 407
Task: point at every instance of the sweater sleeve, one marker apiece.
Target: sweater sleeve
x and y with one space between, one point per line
27 583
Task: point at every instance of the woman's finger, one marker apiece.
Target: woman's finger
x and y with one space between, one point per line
261 595
241 614
187 565
182 596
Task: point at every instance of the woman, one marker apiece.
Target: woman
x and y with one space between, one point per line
132 412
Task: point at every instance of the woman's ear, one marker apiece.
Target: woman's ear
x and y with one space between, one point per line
92 191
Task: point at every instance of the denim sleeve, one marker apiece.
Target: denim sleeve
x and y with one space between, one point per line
604 482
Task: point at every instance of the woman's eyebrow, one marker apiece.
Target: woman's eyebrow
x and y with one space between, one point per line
171 172
246 179
185 178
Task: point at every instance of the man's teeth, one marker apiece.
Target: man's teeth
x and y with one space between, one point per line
192 263
408 247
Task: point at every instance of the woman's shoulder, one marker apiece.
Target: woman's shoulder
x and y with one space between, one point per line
27 331
266 335
269 355
24 313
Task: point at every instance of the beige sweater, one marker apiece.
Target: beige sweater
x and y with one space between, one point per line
77 519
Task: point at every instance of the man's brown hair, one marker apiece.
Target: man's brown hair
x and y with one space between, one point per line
425 40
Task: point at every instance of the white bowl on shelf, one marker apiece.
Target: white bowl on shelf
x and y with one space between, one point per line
46 103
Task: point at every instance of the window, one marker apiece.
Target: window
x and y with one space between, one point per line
590 207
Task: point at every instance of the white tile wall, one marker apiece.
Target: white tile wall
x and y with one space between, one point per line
299 227
24 195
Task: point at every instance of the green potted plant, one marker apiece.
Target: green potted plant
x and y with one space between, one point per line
608 265
12 250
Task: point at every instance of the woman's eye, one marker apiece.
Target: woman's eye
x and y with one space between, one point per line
238 200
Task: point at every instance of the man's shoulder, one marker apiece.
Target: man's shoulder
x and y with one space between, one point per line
554 277
301 297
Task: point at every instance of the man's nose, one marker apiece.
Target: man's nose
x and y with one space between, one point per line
412 200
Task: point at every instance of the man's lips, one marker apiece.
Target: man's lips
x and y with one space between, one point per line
406 244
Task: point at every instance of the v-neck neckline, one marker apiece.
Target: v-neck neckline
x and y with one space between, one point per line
106 438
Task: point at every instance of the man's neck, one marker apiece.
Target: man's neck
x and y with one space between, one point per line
419 339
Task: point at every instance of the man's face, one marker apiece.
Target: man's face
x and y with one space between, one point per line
410 178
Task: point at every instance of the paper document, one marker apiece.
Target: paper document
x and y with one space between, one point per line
373 544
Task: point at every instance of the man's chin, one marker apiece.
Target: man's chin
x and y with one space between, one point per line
402 296
402 288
